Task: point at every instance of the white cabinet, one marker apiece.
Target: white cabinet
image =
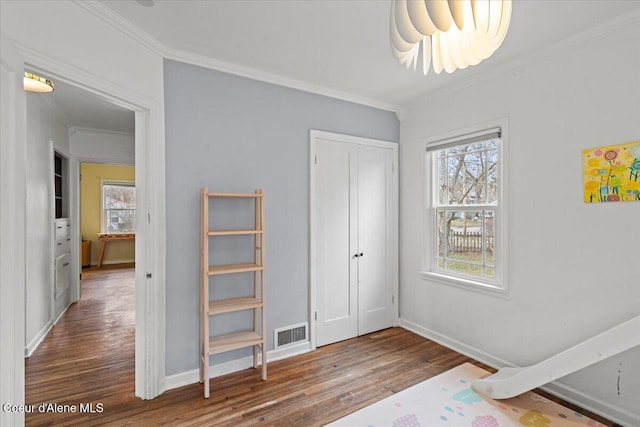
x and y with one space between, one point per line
62 256
353 237
63 274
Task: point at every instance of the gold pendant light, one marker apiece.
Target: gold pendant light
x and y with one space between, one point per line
34 83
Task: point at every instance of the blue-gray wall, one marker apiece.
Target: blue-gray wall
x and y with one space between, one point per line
234 134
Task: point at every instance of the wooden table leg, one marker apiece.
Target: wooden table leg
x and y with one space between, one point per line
103 243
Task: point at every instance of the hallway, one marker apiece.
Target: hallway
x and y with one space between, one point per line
92 347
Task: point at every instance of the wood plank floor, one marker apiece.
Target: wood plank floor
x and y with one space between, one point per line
88 357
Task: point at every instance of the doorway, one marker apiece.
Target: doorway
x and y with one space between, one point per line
149 307
353 261
150 242
82 126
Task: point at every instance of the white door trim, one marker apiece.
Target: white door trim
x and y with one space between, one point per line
13 231
314 136
150 235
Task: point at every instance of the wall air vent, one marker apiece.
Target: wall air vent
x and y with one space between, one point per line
290 334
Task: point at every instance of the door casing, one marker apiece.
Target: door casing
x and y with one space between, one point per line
314 136
12 228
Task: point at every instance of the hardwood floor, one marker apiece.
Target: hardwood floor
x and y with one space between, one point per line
88 357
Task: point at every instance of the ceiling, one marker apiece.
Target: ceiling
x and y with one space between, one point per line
78 108
339 47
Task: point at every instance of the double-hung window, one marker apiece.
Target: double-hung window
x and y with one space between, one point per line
118 207
465 211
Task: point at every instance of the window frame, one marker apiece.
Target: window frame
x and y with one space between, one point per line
103 210
499 284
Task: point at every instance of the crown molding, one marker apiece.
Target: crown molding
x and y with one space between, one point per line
132 31
404 114
254 74
526 59
126 27
74 129
57 70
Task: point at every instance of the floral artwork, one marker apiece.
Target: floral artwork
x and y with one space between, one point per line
612 173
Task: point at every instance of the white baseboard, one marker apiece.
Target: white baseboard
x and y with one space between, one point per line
611 412
456 345
218 369
61 313
42 333
37 339
113 261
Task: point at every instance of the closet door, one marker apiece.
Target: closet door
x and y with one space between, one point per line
375 219
353 249
336 242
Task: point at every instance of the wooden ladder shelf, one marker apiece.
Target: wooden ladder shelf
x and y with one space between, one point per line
253 338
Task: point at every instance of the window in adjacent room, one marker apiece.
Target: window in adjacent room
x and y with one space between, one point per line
465 211
118 207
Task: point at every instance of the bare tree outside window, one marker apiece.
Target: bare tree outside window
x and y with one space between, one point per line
119 208
465 208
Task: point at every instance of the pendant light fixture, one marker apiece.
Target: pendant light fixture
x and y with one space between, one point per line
450 34
35 83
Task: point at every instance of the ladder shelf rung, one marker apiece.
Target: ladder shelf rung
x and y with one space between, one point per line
234 341
236 304
236 195
233 232
215 270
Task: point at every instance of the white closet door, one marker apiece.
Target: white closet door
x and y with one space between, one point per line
336 243
375 281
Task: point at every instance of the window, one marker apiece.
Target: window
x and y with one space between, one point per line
118 207
465 214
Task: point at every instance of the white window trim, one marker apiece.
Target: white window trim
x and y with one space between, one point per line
104 182
500 286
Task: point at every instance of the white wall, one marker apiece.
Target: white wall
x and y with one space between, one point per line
573 266
44 131
102 146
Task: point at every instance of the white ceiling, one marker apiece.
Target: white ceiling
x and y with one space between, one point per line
78 108
339 47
